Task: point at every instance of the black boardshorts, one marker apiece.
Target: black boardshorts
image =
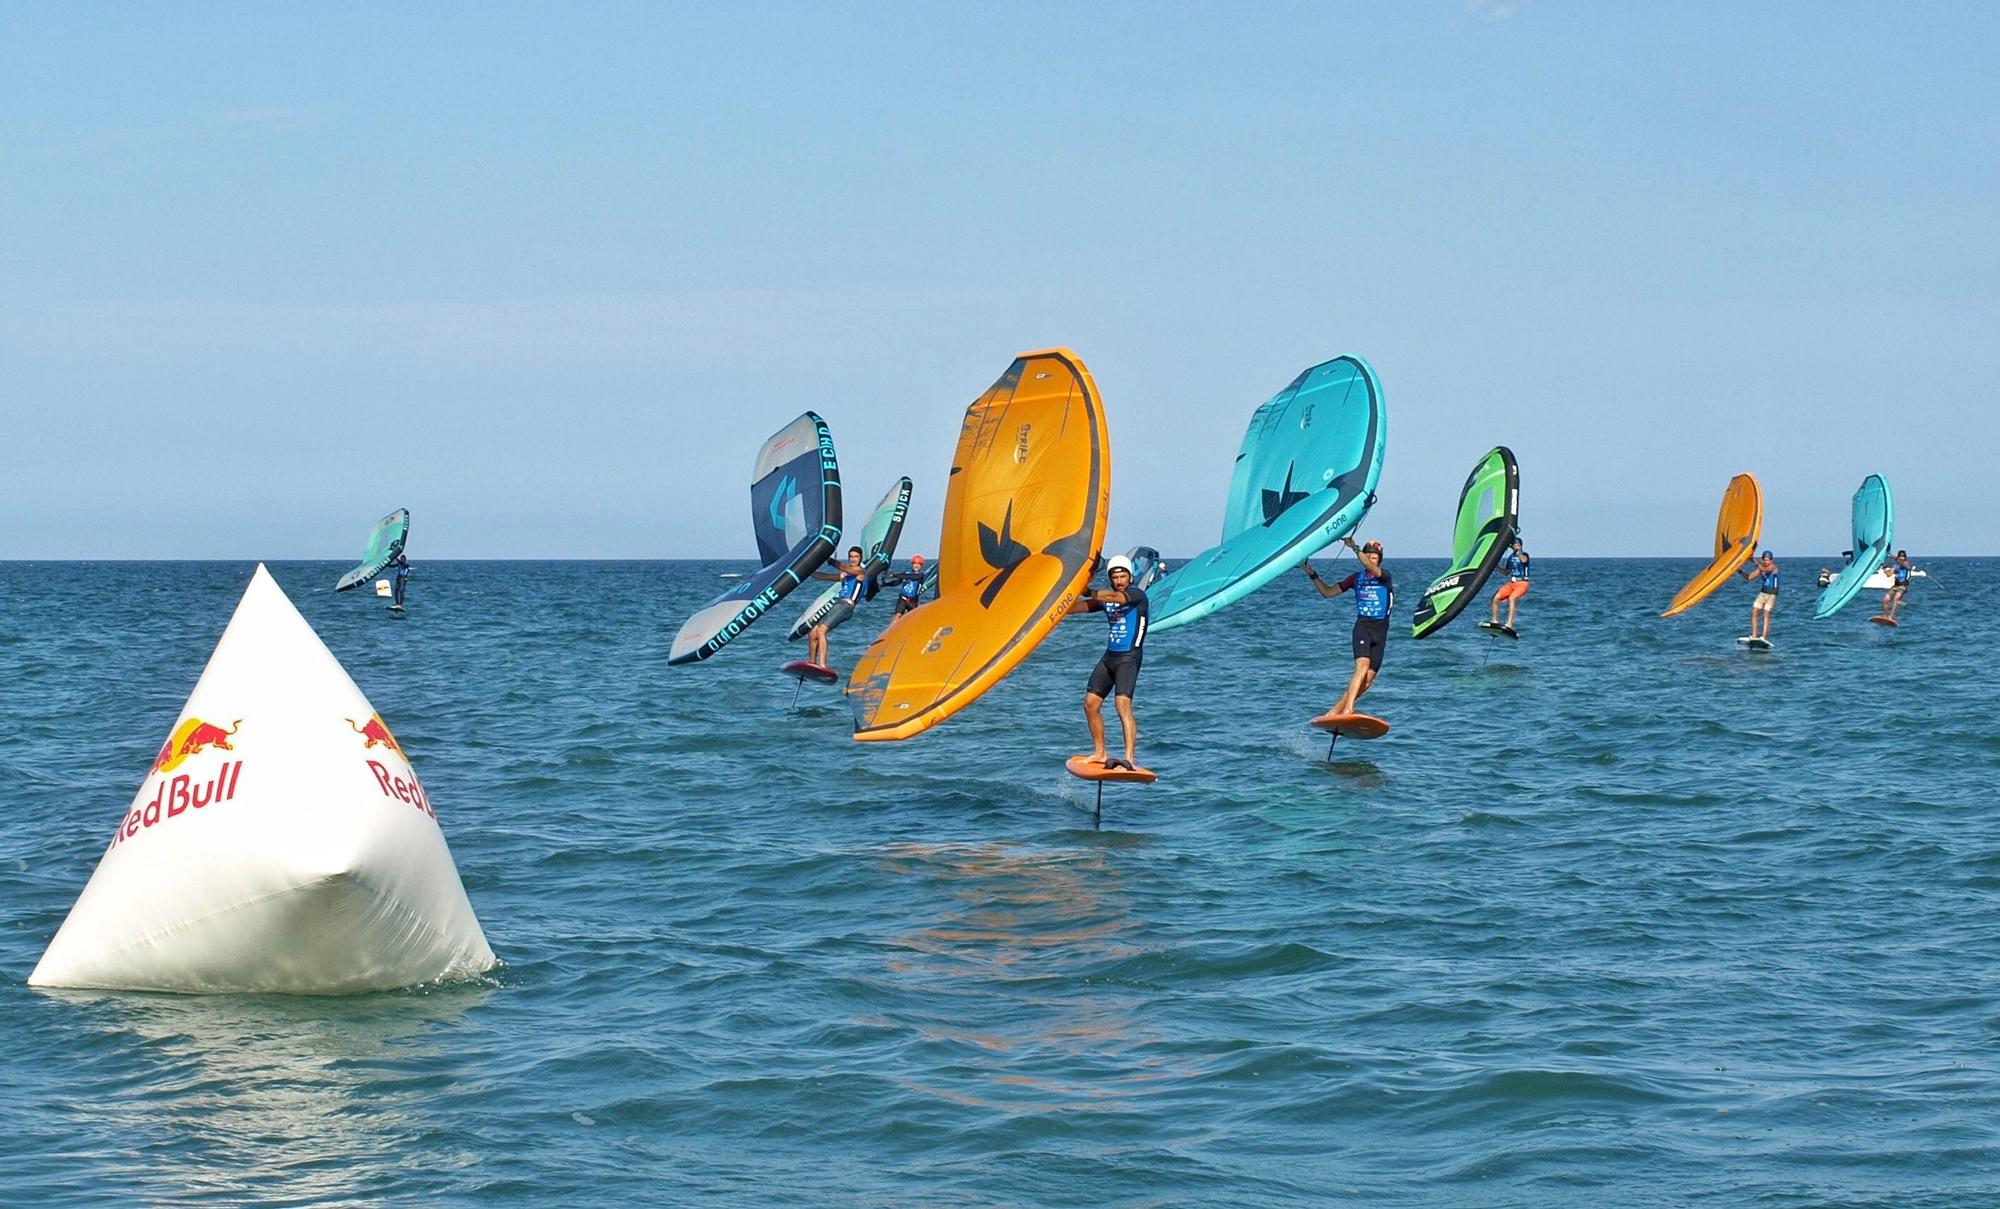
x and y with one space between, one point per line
1118 670
1371 635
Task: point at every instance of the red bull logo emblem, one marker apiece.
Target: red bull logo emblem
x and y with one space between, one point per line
191 738
376 734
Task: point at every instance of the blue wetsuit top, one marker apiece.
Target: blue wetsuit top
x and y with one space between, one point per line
1516 566
911 587
1372 595
850 588
1128 622
1767 581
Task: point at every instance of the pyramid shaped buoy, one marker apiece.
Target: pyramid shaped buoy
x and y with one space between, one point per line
280 843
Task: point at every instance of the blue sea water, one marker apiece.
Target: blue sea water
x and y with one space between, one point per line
1619 913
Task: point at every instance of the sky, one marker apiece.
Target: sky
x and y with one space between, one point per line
548 275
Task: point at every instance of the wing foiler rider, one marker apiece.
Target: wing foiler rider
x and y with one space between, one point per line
1899 584
1374 596
1765 572
401 566
1515 564
1117 673
909 585
852 584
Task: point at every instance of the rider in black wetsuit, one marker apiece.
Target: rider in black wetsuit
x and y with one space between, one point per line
401 567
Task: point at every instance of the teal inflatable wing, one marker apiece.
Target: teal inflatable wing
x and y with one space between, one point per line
1874 534
391 534
1304 478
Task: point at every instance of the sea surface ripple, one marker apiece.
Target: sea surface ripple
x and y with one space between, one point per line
1617 913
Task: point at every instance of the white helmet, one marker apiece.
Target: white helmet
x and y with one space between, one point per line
1118 563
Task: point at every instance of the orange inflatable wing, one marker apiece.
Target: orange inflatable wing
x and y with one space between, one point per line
1737 527
1024 515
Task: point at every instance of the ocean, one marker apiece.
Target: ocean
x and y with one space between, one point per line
1618 913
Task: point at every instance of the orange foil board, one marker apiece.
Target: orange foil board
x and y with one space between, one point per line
1354 726
818 673
1091 770
1883 620
1738 525
1024 514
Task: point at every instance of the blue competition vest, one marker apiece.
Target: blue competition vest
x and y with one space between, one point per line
1516 568
911 588
850 588
1128 623
1767 581
1902 576
1371 595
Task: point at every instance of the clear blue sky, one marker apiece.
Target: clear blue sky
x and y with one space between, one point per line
548 274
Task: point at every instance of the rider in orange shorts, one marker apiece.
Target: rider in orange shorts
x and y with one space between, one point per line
1515 564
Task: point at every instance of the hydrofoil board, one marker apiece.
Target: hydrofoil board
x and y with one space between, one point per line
1353 726
802 671
1090 768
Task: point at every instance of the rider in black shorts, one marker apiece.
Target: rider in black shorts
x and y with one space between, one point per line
1374 596
1117 673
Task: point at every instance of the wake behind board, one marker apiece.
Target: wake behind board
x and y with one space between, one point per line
802 671
1497 630
1755 644
1353 726
1883 619
1091 769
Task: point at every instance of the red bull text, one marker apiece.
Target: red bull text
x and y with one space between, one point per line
410 791
175 796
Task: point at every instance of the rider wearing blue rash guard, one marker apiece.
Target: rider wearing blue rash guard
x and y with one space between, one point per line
1765 570
1899 584
852 584
401 567
1117 673
910 587
1374 596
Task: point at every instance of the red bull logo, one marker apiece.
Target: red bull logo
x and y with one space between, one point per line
177 795
376 734
191 738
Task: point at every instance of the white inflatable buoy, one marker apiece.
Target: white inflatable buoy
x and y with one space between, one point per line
281 842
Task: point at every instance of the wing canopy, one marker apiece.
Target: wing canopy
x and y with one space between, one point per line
795 513
390 535
1874 525
1738 525
1489 510
1024 515
1305 476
